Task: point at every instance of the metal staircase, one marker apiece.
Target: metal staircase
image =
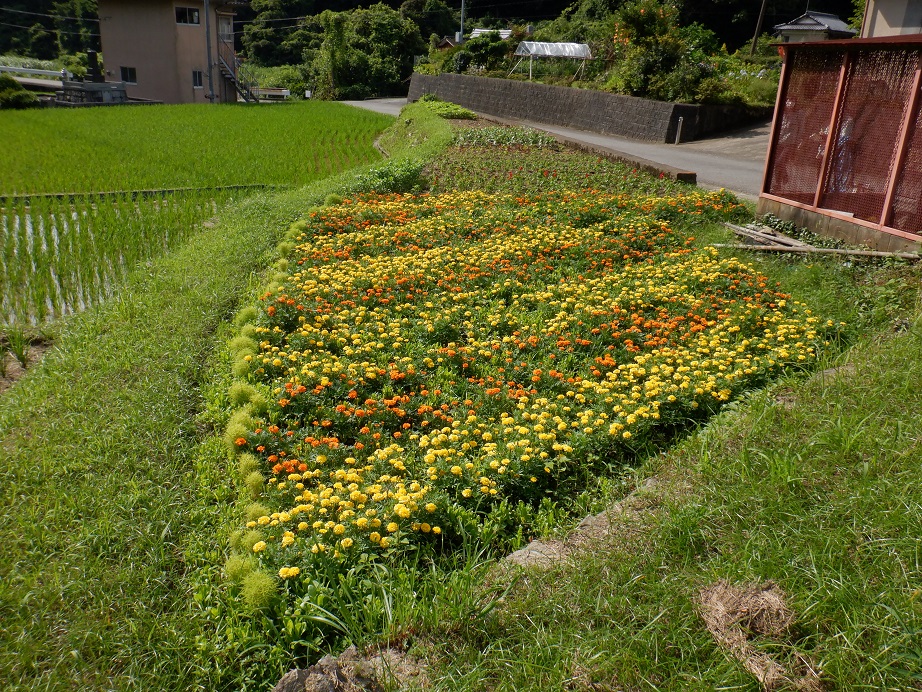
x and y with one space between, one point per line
236 72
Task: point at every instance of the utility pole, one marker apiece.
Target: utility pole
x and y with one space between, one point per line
755 38
462 22
208 51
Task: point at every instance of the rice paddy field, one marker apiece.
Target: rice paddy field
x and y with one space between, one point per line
166 147
165 171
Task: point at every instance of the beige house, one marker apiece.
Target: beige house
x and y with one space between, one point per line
892 18
174 51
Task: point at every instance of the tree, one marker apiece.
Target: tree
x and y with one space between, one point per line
43 42
267 39
364 53
431 16
77 26
53 27
487 51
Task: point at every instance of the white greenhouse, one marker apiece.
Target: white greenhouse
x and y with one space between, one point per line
540 49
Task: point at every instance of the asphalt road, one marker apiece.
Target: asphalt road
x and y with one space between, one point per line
735 160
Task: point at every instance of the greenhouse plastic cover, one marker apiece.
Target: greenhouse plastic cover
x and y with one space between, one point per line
554 50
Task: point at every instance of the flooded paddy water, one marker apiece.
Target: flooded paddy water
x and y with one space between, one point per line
61 256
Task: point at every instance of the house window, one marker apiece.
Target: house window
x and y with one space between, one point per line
129 74
197 79
187 15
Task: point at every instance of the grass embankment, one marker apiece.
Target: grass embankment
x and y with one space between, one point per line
109 513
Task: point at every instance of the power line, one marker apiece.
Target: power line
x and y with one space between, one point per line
52 16
47 31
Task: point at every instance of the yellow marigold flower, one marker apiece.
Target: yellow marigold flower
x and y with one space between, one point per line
303 526
401 511
385 541
346 542
287 541
374 537
339 529
436 530
259 546
392 527
430 507
425 528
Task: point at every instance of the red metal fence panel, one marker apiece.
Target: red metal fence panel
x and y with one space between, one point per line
867 132
907 196
804 113
848 134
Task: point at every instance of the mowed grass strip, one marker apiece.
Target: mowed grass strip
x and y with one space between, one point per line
97 490
158 147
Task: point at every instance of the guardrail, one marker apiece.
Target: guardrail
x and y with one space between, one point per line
62 74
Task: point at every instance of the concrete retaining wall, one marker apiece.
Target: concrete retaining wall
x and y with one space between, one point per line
594 111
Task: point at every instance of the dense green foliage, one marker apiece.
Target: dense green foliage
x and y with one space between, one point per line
364 53
13 96
48 28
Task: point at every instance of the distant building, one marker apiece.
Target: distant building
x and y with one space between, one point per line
159 49
503 33
892 18
814 26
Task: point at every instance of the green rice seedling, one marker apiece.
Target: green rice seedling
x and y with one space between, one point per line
18 344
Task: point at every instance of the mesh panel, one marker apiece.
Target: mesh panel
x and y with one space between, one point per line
907 196
805 111
877 90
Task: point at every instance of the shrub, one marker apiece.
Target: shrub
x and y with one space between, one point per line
450 111
13 95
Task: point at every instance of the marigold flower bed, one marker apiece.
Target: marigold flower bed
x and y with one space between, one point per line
431 357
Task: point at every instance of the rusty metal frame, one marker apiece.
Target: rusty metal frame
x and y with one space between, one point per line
776 121
831 135
915 103
887 212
